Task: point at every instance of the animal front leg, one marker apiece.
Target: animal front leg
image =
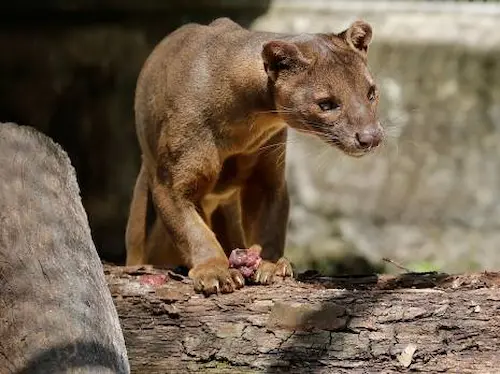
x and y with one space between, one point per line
266 217
265 206
197 244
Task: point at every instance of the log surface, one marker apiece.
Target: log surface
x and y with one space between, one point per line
428 323
56 312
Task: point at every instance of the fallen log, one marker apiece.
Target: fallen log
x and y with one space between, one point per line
56 312
377 324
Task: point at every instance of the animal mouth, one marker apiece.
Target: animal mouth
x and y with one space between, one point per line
348 146
346 143
355 151
358 154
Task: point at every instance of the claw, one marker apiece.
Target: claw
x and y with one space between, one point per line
214 278
238 279
268 271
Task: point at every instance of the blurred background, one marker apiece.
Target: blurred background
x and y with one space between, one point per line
428 200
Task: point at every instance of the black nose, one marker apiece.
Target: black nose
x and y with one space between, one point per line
369 138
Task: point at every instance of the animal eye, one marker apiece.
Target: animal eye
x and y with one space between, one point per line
282 64
328 105
372 93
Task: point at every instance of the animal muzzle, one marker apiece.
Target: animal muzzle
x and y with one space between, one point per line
370 137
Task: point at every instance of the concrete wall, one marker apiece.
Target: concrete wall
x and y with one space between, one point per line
431 196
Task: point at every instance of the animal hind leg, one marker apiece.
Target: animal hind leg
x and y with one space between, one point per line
161 248
227 225
135 235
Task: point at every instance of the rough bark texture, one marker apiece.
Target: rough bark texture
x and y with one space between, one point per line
414 322
56 312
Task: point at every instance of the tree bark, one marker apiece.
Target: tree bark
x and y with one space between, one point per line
428 323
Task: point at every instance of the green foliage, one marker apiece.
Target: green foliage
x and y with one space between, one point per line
423 266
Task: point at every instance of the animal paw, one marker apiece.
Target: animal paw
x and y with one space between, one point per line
215 276
267 271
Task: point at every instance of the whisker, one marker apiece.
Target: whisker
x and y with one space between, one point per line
277 111
322 159
270 146
266 147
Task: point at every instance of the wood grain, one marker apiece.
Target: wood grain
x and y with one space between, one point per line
428 323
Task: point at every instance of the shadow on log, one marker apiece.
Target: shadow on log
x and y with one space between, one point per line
56 313
376 324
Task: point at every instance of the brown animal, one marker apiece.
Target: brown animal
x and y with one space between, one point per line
212 107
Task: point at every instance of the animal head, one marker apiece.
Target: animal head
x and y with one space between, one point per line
322 86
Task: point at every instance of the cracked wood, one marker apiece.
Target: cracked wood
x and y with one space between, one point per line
420 322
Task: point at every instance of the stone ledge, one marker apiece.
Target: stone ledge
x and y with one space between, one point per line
473 25
420 6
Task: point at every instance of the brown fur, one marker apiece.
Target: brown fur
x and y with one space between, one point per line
212 105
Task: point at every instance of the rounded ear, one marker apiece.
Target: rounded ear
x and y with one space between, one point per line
279 55
358 36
